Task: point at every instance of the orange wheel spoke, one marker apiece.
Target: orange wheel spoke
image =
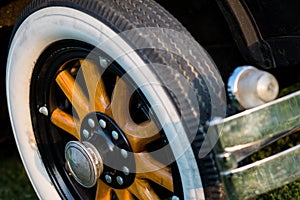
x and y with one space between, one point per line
108 111
124 194
138 134
153 170
141 134
73 92
95 86
120 102
65 122
103 191
142 190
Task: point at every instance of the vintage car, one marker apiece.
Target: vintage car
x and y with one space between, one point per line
144 99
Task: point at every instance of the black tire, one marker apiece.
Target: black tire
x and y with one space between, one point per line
172 71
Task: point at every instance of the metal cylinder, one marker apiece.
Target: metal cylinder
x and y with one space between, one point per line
252 87
83 162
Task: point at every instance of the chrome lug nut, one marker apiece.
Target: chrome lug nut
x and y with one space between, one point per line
125 170
103 62
108 178
115 135
102 123
85 133
91 123
124 153
175 198
43 110
120 180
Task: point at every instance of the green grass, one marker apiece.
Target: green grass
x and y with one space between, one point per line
14 184
287 192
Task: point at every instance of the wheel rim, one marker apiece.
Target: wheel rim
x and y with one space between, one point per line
60 83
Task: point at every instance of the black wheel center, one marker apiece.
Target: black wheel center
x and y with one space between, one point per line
111 149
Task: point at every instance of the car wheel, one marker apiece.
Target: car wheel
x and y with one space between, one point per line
109 99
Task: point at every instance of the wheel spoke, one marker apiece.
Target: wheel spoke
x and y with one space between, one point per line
73 92
120 102
142 190
139 135
124 194
103 191
65 122
153 170
99 100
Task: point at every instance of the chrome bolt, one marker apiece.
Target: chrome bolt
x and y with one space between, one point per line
125 170
43 110
175 198
102 123
120 180
115 135
91 123
103 62
86 134
124 153
108 178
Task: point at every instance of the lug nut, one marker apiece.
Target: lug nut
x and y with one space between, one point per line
125 170
115 135
108 178
91 123
103 62
120 180
43 110
86 134
175 198
102 123
124 153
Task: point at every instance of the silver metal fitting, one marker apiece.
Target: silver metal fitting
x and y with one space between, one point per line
108 178
252 87
43 110
102 123
84 162
115 135
120 180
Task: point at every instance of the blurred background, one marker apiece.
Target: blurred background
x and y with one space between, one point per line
14 183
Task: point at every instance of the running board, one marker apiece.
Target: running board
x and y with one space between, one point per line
245 133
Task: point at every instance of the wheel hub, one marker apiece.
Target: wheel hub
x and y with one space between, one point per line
84 162
103 152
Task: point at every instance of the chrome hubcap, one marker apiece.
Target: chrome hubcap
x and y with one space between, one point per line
84 162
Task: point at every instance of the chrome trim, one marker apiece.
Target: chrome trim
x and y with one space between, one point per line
263 176
245 133
251 130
